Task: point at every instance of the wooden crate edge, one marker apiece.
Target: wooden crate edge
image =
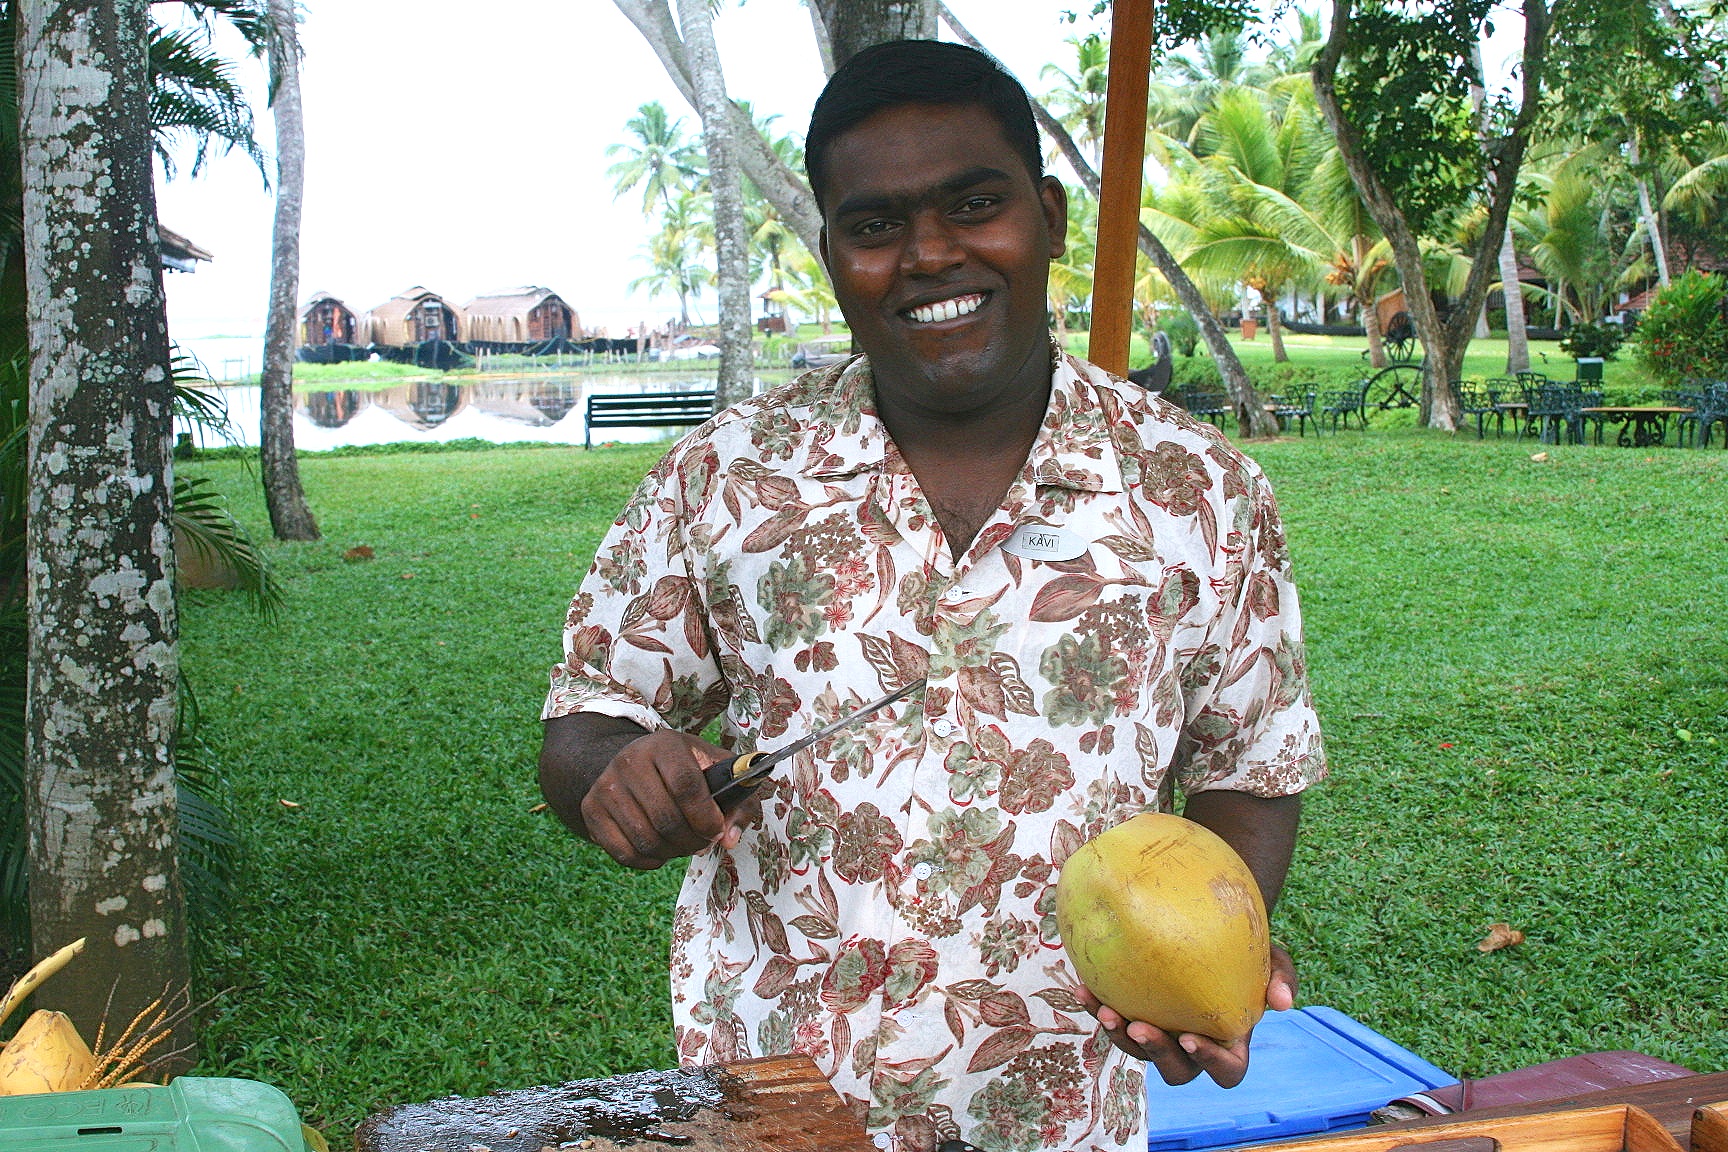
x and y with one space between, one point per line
1610 1128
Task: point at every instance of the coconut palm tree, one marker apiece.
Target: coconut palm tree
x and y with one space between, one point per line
194 101
196 98
1696 202
1078 98
807 289
674 254
284 496
1580 234
1190 83
1251 172
660 160
772 238
1270 204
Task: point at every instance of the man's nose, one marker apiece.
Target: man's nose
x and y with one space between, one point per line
931 245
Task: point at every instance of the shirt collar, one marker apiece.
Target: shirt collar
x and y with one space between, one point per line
1074 448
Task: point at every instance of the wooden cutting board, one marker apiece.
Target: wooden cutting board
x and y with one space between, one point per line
771 1104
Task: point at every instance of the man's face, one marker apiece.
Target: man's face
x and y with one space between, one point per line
938 242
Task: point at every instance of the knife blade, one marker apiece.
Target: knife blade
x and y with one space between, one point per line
747 772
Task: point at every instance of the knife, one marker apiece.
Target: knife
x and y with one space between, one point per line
748 771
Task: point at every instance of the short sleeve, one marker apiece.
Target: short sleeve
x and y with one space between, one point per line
1250 720
636 639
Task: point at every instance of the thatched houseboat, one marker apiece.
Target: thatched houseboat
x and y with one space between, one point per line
410 318
326 320
518 319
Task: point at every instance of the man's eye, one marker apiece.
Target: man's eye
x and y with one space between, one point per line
977 204
873 227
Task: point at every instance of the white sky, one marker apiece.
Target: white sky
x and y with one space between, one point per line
463 147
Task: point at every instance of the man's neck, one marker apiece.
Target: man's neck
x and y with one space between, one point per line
965 462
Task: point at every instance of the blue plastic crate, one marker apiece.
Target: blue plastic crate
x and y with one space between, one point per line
1309 1070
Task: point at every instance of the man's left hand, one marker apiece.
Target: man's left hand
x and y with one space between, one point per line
1181 1057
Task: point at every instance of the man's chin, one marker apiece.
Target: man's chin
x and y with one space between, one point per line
957 368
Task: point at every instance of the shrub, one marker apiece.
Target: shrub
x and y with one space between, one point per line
1593 340
1684 332
1184 333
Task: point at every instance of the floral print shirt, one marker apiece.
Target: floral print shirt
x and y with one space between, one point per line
1123 627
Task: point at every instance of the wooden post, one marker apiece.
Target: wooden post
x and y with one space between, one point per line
1119 195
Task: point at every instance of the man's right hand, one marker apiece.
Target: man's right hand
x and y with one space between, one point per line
640 796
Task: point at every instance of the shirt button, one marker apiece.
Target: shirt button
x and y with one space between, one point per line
943 728
954 595
881 1139
922 870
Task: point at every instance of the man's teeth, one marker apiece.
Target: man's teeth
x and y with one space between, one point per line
946 309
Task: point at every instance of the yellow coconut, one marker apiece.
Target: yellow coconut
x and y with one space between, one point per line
47 1055
1165 923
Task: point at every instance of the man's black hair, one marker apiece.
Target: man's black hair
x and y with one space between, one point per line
918 72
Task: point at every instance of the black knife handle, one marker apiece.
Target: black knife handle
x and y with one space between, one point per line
721 774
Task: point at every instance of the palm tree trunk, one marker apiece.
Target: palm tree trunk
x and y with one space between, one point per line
854 25
103 628
1652 223
290 518
731 238
1517 329
1275 331
1377 358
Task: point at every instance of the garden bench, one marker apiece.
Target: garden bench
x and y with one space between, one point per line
1556 411
1480 401
1708 400
647 410
1299 409
1213 406
1343 405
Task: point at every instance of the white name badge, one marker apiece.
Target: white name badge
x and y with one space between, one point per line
1040 542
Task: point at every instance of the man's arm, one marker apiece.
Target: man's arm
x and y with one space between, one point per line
639 795
1261 829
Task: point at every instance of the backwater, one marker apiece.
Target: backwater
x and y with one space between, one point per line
438 409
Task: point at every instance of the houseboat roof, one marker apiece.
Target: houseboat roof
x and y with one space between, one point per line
405 302
179 253
512 301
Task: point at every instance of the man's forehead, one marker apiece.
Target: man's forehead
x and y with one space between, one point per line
922 146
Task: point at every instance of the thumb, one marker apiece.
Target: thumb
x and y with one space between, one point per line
740 818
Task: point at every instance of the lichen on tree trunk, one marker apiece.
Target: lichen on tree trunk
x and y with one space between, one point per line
100 707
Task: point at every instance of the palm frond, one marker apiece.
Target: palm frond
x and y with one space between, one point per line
251 18
201 518
194 94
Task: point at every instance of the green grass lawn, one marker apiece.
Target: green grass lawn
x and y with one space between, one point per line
1521 666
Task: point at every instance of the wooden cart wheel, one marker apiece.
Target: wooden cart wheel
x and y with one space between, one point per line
1396 386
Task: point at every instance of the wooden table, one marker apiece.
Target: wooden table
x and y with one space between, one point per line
1642 425
770 1104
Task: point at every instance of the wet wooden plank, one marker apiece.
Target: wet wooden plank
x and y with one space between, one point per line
780 1103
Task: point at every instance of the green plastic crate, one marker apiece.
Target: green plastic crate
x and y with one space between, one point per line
190 1114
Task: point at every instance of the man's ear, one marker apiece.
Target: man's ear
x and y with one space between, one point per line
1054 199
822 249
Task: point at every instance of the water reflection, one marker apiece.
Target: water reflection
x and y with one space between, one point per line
330 409
501 411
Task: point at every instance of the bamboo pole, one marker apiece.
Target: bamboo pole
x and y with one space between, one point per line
1119 193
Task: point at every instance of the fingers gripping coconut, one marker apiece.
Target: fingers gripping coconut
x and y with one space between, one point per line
1166 925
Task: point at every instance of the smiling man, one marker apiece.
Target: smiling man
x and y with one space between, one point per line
1085 590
